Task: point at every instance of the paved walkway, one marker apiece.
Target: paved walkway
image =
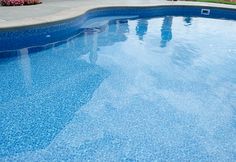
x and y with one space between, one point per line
55 10
50 7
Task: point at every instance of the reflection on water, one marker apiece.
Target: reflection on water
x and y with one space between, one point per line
26 67
93 52
188 21
166 31
141 28
92 46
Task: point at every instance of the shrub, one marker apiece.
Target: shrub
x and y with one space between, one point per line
18 2
12 2
30 2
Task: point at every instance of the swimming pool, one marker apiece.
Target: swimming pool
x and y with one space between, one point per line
121 84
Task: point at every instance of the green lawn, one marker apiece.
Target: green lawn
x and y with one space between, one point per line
216 1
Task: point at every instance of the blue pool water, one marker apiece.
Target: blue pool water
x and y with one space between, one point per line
123 89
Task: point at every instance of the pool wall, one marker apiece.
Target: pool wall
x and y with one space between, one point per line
30 36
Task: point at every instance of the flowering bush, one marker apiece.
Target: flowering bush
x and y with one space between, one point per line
18 2
12 2
30 2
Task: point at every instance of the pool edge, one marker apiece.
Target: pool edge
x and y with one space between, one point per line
75 12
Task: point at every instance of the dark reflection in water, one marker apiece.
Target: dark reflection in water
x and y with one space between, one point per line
141 28
187 21
166 31
41 92
119 28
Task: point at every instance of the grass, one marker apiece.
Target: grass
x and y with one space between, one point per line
217 1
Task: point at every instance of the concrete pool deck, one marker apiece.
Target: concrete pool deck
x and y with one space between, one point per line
58 10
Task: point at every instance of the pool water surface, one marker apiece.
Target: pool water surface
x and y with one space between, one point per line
127 89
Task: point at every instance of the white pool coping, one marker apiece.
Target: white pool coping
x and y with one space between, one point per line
77 11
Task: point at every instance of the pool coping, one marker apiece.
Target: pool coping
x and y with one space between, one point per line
78 11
